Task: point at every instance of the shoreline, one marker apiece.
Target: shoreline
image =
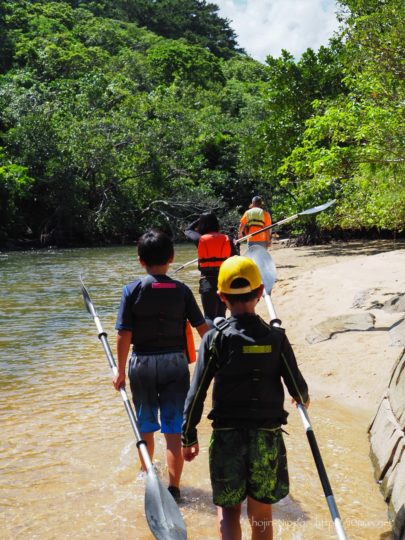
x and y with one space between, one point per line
279 242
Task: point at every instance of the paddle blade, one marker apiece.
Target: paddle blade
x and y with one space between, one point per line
267 268
161 510
317 209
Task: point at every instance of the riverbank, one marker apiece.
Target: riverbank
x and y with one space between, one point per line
320 282
333 237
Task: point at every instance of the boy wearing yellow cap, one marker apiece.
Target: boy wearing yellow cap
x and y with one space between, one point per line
248 360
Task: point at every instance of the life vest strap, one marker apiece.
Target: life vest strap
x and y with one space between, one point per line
213 259
255 223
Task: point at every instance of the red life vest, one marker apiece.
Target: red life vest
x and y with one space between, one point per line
213 250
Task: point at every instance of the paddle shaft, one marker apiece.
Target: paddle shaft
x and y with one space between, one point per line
327 489
141 444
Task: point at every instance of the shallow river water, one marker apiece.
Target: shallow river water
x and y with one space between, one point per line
68 461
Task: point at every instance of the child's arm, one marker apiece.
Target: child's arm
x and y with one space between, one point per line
306 404
191 232
292 376
193 408
242 226
202 329
124 340
123 325
190 452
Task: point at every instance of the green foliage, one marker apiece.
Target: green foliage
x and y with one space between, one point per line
5 43
14 190
195 21
275 115
107 128
172 61
352 148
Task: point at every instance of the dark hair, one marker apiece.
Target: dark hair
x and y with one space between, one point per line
240 283
155 247
257 200
208 223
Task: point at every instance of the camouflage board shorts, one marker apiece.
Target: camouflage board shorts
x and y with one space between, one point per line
248 462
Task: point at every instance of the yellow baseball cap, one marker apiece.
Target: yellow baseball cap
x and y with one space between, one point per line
237 267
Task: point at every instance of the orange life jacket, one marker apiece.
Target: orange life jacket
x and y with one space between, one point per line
190 347
213 250
255 218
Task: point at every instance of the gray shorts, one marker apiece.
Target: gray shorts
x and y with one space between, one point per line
159 384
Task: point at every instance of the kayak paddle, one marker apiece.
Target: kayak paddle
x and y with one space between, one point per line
268 272
162 513
314 210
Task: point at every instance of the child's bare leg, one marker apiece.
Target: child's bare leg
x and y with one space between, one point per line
260 517
150 444
174 458
229 522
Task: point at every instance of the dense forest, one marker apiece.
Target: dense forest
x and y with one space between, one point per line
118 115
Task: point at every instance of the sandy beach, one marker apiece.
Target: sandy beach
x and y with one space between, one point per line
316 283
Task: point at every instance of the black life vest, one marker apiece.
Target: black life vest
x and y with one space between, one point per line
159 310
248 385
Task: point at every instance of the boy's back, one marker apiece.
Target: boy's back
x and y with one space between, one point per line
248 361
152 317
155 308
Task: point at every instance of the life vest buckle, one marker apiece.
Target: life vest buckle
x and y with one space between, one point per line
220 323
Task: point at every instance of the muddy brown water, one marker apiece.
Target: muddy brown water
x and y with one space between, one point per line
68 461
